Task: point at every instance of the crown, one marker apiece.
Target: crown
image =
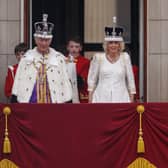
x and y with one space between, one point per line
43 29
114 33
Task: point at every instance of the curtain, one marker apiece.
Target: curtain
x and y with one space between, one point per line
84 135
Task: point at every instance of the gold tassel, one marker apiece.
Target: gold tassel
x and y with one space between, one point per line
5 163
6 143
140 144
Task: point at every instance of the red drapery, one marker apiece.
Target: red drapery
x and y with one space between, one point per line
84 135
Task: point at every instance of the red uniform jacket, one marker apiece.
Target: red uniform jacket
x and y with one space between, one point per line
10 79
82 66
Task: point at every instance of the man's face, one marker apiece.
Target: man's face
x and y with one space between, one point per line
43 44
19 55
74 48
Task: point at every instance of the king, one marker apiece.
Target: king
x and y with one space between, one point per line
42 76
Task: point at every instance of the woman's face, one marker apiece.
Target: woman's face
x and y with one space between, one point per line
113 47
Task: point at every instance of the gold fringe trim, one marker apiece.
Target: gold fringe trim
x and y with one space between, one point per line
141 163
5 163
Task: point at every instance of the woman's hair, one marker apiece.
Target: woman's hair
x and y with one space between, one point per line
122 46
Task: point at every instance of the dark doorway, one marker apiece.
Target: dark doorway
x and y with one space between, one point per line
67 16
134 45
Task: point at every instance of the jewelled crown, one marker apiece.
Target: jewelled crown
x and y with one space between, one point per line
114 33
43 29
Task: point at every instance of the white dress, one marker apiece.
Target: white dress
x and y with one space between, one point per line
111 82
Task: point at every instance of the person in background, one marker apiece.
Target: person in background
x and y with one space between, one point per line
136 77
135 69
42 74
111 78
19 51
74 48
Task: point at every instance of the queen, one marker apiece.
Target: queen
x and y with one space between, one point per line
110 78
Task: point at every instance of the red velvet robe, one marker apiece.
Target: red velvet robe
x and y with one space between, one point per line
9 80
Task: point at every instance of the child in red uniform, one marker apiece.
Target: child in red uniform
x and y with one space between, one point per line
20 49
74 47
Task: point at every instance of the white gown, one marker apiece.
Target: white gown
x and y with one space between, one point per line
111 82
